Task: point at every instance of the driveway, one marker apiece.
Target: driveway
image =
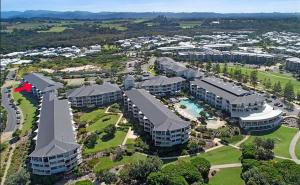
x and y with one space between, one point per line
11 112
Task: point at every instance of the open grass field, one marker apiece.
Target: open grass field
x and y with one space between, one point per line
28 109
282 137
223 155
55 29
298 149
274 77
105 163
227 176
189 23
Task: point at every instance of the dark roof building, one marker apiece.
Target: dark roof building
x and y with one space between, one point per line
56 149
42 83
93 90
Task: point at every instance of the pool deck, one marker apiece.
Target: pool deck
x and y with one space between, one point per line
211 123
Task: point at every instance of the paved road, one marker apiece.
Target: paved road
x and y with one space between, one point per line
11 112
292 148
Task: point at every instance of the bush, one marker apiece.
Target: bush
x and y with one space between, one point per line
84 182
108 177
202 165
21 177
90 140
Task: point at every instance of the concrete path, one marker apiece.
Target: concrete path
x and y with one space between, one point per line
292 148
8 163
242 141
222 166
126 137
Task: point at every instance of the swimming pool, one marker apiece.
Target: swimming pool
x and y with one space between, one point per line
192 108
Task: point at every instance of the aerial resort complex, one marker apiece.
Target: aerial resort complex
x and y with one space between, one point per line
150 98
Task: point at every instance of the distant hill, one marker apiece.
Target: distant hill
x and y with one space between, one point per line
124 15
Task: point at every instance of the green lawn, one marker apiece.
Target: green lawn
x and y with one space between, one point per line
112 143
298 149
28 109
152 71
223 155
282 137
130 141
105 163
227 177
274 77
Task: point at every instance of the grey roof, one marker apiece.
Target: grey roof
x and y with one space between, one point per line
226 86
294 60
129 77
229 91
42 82
161 80
93 90
160 116
171 64
55 131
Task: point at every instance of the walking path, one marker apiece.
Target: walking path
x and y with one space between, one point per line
120 114
8 163
126 137
222 166
242 141
292 148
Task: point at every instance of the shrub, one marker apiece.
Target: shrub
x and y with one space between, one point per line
90 140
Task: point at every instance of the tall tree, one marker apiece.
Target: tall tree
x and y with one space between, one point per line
253 78
289 93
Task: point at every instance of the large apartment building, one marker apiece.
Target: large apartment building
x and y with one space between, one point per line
56 149
94 95
41 84
293 64
162 85
170 67
226 56
247 107
165 127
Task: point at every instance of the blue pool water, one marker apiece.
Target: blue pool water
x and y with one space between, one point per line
192 107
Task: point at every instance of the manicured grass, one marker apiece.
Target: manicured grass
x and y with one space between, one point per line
223 155
130 141
111 143
282 137
274 77
84 182
105 163
189 24
298 149
235 139
28 109
227 176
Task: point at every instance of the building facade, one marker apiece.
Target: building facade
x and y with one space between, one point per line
56 149
163 86
165 127
293 64
94 95
248 108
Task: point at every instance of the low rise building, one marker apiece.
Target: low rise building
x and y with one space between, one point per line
162 85
56 149
247 107
165 127
94 95
293 64
41 84
129 82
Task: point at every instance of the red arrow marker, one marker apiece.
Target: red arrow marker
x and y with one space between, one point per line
26 87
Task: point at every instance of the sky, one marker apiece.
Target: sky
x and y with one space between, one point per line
220 6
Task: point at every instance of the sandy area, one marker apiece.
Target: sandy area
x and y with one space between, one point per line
81 68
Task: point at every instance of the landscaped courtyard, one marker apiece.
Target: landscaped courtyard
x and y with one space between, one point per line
97 121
